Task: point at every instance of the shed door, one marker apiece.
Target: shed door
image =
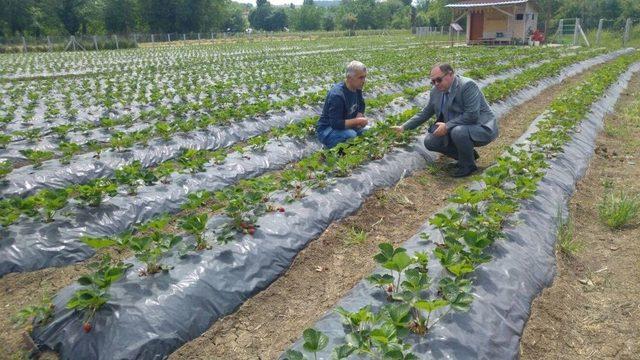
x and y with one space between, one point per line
477 25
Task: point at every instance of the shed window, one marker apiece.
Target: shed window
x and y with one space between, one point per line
519 16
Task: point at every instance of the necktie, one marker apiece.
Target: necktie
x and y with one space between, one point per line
445 98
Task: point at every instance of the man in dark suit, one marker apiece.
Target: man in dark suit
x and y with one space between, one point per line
463 119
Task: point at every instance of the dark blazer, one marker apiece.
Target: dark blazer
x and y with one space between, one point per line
466 106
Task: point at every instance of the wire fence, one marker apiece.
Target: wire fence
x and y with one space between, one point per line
25 44
607 32
441 33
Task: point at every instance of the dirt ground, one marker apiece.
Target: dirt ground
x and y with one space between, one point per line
331 265
319 276
592 310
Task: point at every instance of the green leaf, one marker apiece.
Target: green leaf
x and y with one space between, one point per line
460 268
85 280
293 355
380 280
462 302
398 262
342 352
98 243
314 340
430 306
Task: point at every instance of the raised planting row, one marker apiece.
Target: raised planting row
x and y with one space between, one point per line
227 274
32 245
454 292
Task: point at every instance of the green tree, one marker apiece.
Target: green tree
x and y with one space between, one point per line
119 16
234 20
258 17
309 18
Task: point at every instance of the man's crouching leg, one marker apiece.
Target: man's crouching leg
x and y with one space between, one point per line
440 144
461 139
338 136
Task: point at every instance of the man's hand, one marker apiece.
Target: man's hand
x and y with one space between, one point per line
356 123
397 129
361 121
441 130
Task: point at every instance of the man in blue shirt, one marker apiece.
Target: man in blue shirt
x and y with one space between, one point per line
343 112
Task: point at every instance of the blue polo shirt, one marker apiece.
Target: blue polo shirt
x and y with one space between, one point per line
341 104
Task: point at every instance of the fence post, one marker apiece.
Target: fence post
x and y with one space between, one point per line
576 31
560 30
211 35
441 30
95 42
73 42
599 33
184 37
49 47
169 37
135 39
198 36
152 39
116 37
627 30
24 44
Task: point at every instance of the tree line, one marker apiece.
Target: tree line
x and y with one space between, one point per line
65 17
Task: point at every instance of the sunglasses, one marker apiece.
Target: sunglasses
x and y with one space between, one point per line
438 80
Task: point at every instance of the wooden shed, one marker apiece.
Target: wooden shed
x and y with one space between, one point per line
497 21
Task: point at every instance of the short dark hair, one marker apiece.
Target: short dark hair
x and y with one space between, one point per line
444 67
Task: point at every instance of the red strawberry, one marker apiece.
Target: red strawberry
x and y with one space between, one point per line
86 327
252 230
281 209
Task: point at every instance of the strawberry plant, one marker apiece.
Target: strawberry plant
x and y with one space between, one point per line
121 141
376 335
195 225
8 213
164 130
194 160
164 171
133 175
32 134
314 341
68 149
94 293
51 201
35 315
94 192
37 157
62 130
94 146
4 140
5 168
151 248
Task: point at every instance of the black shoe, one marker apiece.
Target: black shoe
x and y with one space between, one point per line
463 172
476 156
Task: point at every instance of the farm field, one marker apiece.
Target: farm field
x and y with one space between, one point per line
149 196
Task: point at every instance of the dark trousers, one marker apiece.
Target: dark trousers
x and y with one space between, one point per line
457 144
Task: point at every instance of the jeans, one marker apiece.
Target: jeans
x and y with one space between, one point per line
331 137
